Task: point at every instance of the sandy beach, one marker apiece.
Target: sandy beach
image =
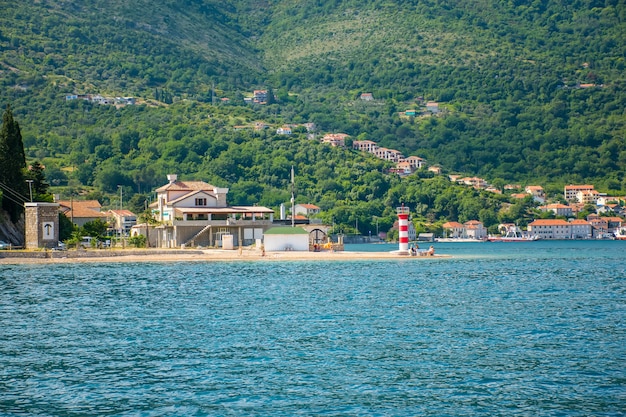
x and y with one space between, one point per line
207 255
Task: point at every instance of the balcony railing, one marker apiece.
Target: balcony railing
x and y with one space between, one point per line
217 223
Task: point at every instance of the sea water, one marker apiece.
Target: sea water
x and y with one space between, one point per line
510 329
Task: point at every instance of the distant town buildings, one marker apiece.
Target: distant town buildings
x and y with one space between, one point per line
335 139
571 191
472 229
404 165
98 99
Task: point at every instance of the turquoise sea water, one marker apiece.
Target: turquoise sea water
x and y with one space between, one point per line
526 329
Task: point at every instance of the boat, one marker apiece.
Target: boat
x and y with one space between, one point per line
514 234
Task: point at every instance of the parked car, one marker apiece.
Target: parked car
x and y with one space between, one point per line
86 242
60 246
4 245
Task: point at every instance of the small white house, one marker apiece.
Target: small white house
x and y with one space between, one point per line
279 239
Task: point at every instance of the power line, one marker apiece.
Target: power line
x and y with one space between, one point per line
13 195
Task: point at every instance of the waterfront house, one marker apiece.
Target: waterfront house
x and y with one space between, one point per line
453 230
195 213
581 229
551 228
475 230
600 225
614 224
121 220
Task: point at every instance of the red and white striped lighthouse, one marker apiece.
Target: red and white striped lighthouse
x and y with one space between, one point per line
403 227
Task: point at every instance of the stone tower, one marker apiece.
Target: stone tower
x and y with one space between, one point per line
42 225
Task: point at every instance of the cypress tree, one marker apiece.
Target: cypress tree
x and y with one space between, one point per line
12 164
40 185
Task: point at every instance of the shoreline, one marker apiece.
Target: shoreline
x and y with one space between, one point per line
186 255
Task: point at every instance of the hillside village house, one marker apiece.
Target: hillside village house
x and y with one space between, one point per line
415 162
197 213
306 209
388 154
365 145
571 191
558 209
475 182
335 139
284 130
537 192
587 196
259 96
436 169
404 166
432 107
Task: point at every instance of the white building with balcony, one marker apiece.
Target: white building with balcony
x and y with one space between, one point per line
194 213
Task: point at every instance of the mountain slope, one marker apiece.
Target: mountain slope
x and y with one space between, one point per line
117 46
507 75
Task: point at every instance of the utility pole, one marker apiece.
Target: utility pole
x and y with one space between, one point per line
30 189
293 199
119 217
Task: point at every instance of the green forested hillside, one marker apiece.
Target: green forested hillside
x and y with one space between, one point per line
507 74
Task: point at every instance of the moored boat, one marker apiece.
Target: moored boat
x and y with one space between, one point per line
514 234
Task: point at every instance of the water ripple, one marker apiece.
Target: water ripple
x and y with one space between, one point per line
502 335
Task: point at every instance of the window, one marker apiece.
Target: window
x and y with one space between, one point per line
200 201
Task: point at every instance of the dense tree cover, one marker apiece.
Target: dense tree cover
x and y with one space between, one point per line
12 164
507 75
